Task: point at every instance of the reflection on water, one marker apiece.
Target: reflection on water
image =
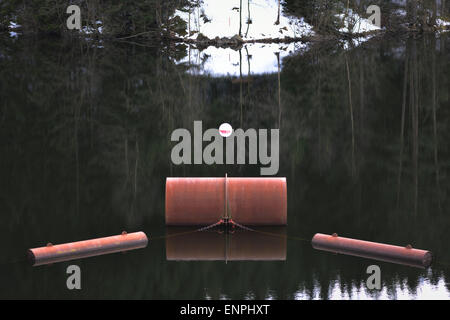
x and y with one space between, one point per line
263 244
431 291
85 150
251 59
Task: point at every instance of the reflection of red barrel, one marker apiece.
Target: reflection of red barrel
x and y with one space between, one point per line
250 201
87 248
372 250
268 244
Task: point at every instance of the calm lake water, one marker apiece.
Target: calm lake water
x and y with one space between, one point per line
85 150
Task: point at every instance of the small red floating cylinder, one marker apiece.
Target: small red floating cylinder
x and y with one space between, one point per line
87 248
372 250
250 201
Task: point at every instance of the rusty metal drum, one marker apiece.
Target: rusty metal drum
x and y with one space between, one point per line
372 250
204 201
87 248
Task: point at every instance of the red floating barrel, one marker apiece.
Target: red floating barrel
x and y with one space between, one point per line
250 201
372 250
87 248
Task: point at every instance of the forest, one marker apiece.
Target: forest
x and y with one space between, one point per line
153 20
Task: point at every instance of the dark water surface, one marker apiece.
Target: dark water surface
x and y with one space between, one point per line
85 150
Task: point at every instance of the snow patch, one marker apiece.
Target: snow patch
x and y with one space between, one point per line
442 23
91 30
215 18
12 26
400 12
13 34
354 23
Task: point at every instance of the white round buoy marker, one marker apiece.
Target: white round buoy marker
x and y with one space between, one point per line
225 130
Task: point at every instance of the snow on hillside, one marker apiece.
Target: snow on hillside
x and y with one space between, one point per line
216 18
221 19
442 23
354 23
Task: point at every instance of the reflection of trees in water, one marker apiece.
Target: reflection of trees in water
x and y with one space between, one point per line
327 134
86 148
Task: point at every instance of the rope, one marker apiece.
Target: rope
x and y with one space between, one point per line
241 226
232 223
210 226
174 235
226 197
272 234
190 231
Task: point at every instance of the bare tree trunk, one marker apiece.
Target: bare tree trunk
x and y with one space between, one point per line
248 72
279 90
414 103
249 20
361 98
402 130
240 18
136 168
434 16
413 11
126 159
278 16
351 117
240 82
434 104
319 122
